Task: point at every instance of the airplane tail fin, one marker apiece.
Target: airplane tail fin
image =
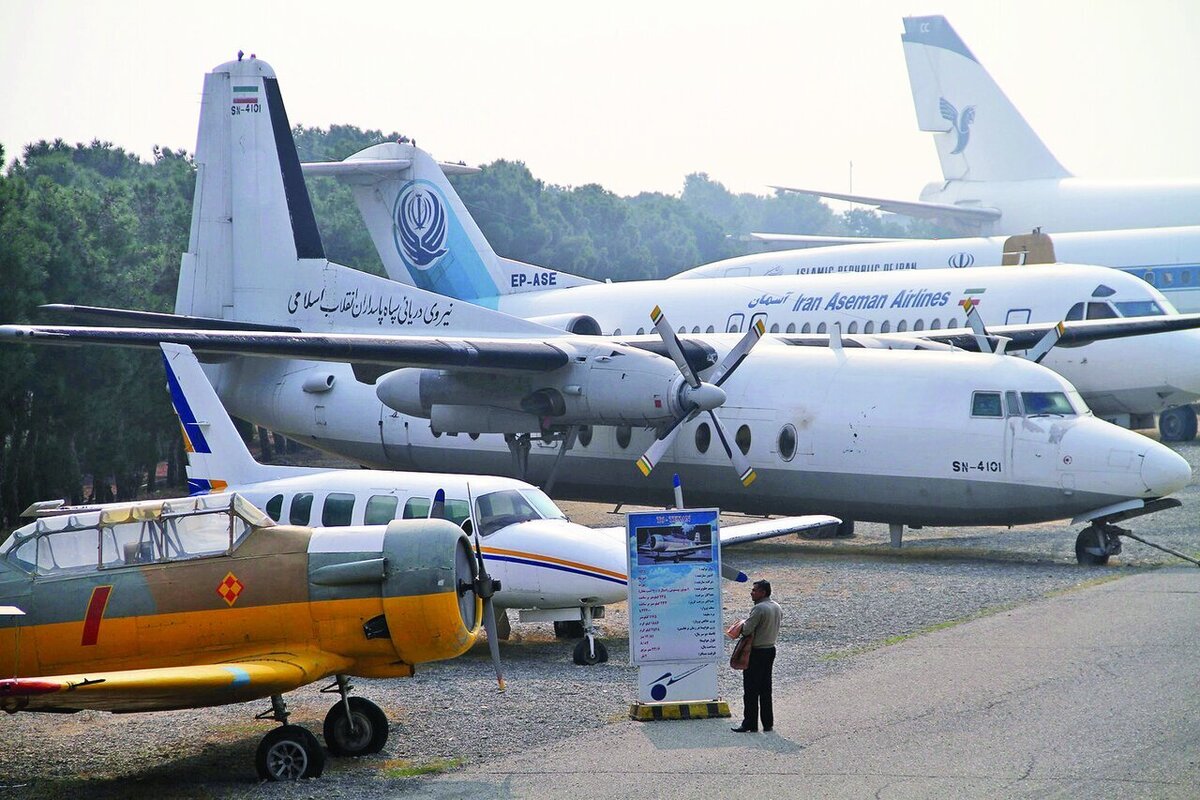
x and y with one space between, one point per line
424 234
217 456
980 135
255 253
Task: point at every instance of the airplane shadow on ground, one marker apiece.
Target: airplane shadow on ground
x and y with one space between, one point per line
706 734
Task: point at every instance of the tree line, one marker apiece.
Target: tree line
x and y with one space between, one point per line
95 225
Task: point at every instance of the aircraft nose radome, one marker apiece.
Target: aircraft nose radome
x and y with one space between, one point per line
1164 471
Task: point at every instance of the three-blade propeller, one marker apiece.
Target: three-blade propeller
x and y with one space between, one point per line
985 339
701 397
484 585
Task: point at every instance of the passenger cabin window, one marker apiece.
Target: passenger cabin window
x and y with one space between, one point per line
338 510
869 327
821 328
986 404
901 326
853 328
274 507
1044 403
416 508
301 511
807 328
381 509
791 328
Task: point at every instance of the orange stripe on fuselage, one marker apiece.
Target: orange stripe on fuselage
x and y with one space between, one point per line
550 559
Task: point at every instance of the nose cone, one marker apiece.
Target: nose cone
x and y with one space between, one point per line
1164 471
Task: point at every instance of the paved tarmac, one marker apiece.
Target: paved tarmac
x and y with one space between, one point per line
1091 693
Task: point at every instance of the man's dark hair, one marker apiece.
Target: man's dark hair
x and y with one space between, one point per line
764 587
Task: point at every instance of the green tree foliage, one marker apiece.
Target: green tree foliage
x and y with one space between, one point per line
94 225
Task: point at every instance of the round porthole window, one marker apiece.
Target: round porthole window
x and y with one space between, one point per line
624 432
787 442
703 437
743 439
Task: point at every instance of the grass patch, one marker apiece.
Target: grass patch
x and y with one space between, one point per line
400 768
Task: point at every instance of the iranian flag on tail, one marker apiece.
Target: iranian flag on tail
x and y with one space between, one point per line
245 94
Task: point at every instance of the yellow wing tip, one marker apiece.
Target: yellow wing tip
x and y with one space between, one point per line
655 314
645 466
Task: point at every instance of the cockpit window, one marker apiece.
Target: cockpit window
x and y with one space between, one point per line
1100 311
1076 312
544 505
986 404
1042 403
1140 308
501 509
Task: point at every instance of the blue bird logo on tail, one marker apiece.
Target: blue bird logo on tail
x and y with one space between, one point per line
419 224
962 125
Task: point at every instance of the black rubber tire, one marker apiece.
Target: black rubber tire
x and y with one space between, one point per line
568 630
1089 537
370 723
585 658
845 530
1177 424
289 753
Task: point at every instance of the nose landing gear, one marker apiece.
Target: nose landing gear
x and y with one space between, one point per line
1097 542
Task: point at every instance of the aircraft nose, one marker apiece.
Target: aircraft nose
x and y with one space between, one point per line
1165 471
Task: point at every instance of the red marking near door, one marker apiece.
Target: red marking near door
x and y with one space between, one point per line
95 613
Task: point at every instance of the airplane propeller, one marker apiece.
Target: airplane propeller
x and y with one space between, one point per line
484 585
697 396
985 339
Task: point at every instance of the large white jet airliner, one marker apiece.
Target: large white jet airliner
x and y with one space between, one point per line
998 175
386 373
1127 381
549 568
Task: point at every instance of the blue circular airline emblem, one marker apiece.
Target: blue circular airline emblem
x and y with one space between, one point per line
419 224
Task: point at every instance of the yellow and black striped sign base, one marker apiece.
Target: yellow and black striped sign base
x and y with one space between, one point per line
649 712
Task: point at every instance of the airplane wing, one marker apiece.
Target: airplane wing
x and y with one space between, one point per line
909 208
1021 337
804 240
170 687
754 531
492 355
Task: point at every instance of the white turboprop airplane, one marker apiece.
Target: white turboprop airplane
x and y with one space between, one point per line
1124 381
550 569
919 438
998 175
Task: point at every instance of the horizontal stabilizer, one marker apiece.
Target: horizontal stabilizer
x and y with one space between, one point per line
374 168
909 208
800 240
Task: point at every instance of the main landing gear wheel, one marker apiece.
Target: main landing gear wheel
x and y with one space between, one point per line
1095 544
586 656
1177 424
370 731
289 753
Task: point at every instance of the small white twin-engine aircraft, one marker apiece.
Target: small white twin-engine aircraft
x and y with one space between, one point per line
548 568
385 374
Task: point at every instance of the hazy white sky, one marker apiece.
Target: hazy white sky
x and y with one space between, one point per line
631 95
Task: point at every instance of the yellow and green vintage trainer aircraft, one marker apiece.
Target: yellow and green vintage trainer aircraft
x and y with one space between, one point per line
205 601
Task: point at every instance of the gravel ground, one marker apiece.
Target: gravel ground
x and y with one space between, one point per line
838 597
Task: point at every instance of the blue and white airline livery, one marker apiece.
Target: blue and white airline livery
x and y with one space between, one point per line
549 568
386 373
998 177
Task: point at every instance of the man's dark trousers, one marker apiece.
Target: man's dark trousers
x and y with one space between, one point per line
756 689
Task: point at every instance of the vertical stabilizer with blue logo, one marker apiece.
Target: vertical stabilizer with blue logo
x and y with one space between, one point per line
217 456
424 234
980 135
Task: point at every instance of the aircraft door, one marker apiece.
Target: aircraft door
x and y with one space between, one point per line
394 438
734 323
1031 455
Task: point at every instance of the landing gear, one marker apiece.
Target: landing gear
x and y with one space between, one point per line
569 629
289 753
845 530
355 726
1096 543
361 731
1177 424
589 651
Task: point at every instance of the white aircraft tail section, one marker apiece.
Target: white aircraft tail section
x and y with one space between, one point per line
217 456
979 133
424 234
255 254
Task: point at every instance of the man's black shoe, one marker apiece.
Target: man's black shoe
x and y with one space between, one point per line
767 728
744 729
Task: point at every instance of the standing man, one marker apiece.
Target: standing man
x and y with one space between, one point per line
763 623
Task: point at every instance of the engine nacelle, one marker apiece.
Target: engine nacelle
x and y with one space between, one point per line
604 384
581 324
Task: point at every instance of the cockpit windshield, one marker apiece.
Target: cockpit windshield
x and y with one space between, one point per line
1044 403
1140 308
507 507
